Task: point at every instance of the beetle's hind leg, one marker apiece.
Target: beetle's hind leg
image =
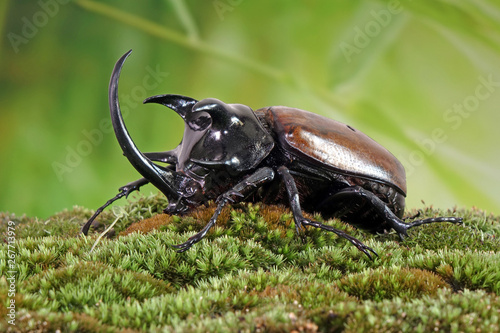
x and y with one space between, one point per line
293 196
433 220
386 213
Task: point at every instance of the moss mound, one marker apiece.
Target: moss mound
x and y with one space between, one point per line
251 273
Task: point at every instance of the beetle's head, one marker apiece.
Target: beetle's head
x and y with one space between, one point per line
217 135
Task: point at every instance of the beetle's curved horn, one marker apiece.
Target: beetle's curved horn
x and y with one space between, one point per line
180 104
163 178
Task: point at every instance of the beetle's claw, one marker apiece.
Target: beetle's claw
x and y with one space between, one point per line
299 227
227 196
184 246
402 231
127 189
192 240
363 248
413 216
371 250
356 242
181 248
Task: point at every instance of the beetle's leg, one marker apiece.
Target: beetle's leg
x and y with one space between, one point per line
124 191
413 216
434 219
293 196
163 156
387 214
239 191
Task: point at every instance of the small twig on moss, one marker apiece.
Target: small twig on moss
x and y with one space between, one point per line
118 215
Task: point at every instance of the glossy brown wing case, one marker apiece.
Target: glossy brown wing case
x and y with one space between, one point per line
336 145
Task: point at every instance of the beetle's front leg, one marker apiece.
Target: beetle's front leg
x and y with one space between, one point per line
293 196
124 191
239 191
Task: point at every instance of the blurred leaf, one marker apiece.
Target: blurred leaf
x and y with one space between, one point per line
173 36
372 31
186 18
417 64
475 19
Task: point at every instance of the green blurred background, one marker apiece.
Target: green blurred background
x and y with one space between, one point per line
420 77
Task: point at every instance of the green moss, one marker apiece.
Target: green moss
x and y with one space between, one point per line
445 312
88 284
251 273
391 282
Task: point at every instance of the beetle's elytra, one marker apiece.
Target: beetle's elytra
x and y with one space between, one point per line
230 153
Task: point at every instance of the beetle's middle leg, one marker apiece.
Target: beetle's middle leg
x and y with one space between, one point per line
237 193
293 196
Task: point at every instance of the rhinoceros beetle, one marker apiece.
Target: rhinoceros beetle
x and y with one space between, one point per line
276 154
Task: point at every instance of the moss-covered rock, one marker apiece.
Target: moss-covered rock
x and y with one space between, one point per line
251 273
